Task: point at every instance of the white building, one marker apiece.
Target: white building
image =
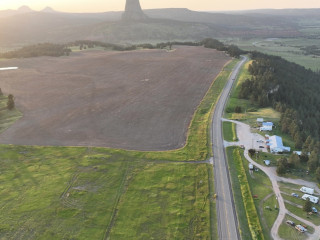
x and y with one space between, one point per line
276 146
266 126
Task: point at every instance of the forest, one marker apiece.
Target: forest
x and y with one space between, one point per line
290 89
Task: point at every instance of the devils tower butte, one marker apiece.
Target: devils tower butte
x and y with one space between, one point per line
133 11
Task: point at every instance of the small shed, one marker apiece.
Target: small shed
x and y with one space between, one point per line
267 162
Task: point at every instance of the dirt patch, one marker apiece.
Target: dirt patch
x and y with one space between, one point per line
141 100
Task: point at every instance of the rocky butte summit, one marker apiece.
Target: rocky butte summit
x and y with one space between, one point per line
133 11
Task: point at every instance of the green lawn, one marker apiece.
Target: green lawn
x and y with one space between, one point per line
290 233
87 193
315 218
229 132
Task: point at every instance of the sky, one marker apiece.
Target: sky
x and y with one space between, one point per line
118 5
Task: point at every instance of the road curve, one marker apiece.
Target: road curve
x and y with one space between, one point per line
228 227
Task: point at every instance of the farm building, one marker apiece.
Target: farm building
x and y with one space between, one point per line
276 146
312 198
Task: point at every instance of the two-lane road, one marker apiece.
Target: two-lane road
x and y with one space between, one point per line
227 218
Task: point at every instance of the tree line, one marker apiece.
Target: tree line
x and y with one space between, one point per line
42 49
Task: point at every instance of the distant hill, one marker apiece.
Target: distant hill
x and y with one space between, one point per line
25 26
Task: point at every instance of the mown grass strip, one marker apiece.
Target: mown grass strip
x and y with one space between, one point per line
240 209
251 212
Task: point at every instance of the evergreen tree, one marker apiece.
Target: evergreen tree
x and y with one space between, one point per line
307 207
10 102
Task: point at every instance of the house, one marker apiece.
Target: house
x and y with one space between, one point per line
276 146
266 126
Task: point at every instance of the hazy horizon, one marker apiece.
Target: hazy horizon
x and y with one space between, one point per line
118 5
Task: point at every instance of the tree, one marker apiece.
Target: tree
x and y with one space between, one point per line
1 92
10 102
313 161
237 109
294 160
318 174
304 158
307 144
282 166
307 207
252 152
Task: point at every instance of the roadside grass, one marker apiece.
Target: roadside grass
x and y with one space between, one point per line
229 132
261 186
247 192
270 213
7 117
290 233
314 218
83 193
240 209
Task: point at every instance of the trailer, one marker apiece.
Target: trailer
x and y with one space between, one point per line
312 198
307 190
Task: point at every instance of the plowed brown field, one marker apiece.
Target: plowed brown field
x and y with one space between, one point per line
142 100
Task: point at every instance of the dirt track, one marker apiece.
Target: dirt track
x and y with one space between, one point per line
141 100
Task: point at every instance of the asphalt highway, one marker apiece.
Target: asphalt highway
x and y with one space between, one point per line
228 227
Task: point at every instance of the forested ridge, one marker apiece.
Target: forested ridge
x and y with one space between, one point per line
290 89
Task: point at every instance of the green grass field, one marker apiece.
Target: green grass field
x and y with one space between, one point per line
229 132
290 233
87 193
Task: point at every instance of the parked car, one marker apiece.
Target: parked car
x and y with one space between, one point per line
290 223
300 228
294 195
261 146
314 210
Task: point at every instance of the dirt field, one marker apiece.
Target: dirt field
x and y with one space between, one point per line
142 100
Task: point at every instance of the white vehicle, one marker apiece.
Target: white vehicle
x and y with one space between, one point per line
312 198
307 190
300 228
251 167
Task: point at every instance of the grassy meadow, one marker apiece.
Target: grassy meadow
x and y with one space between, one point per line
87 193
288 48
